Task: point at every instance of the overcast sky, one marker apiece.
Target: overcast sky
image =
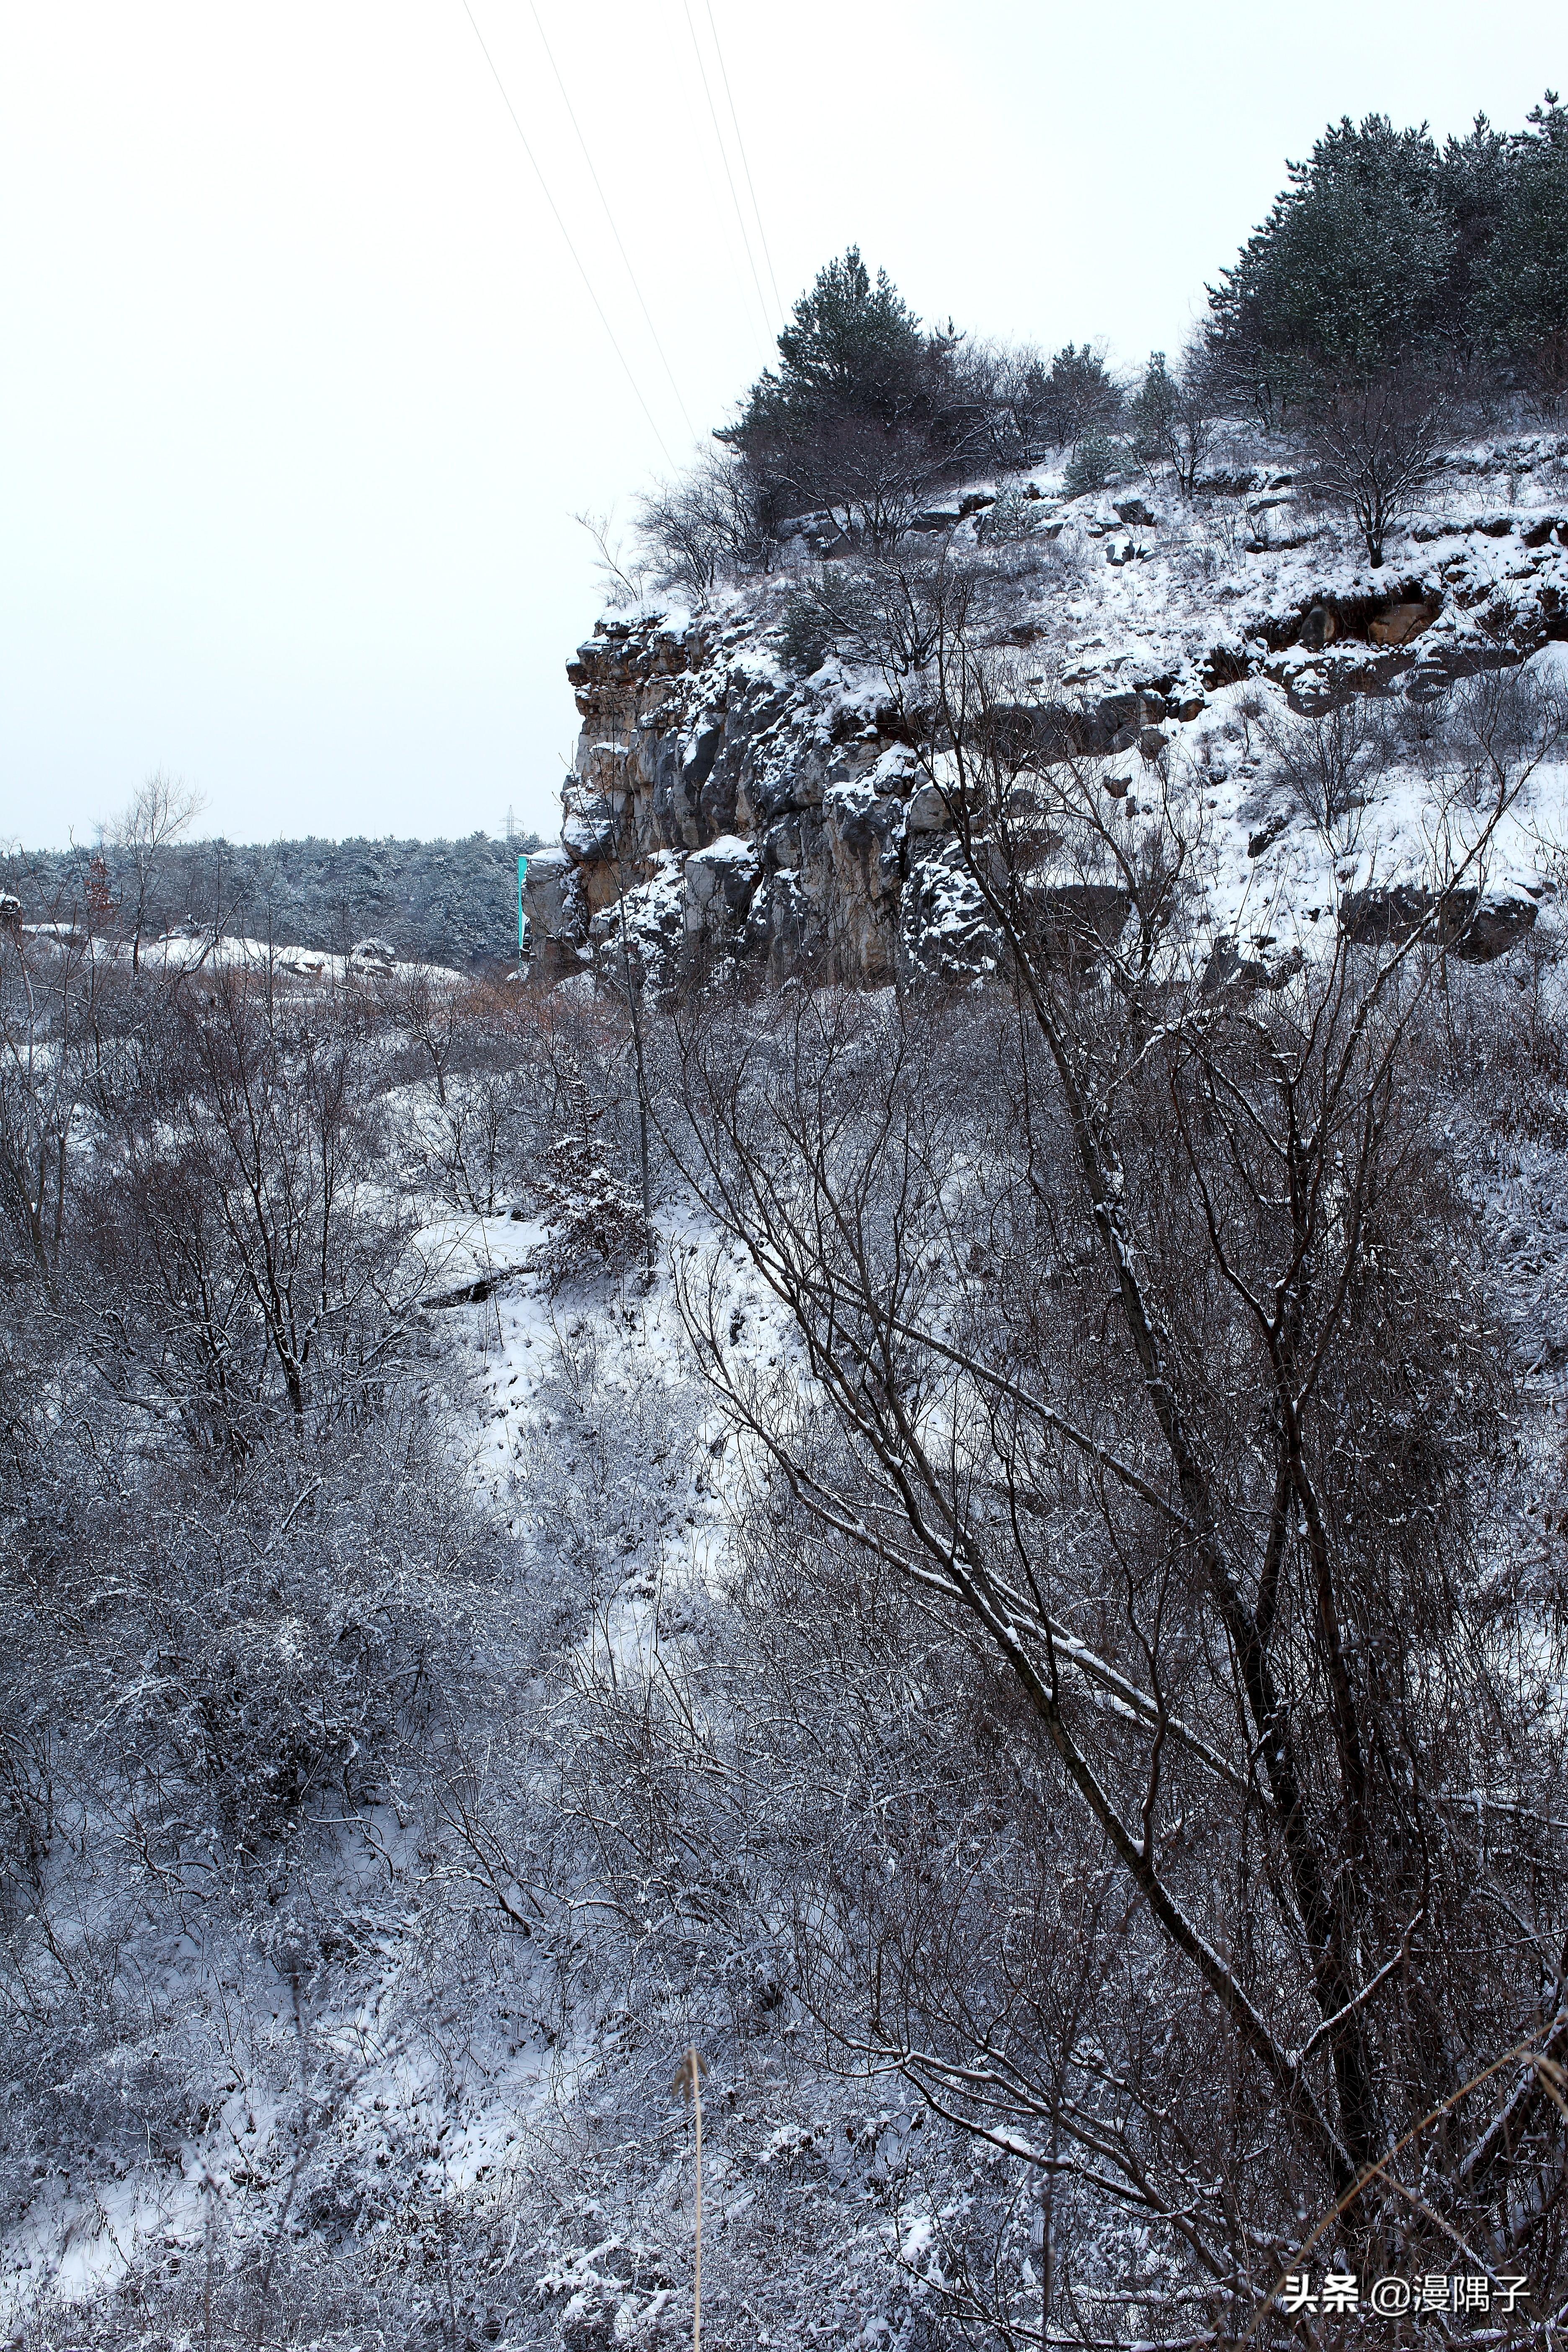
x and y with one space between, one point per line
302 388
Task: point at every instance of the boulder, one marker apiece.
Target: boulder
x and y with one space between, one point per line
697 765
1228 968
588 829
1475 924
1120 719
944 925
1225 486
1401 623
1081 919
720 881
552 896
927 810
1275 524
378 955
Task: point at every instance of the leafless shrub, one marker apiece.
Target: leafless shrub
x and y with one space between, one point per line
1328 760
1501 724
234 1259
872 478
887 615
1482 737
624 574
467 1145
1032 406
704 526
1373 444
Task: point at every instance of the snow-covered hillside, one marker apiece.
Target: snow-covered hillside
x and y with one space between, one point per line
957 1503
1159 642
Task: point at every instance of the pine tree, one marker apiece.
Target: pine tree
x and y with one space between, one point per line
1348 274
1523 282
854 349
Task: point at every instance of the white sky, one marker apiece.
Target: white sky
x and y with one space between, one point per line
303 389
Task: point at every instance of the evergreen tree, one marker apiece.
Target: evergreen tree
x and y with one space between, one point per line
1349 273
1522 281
854 349
866 415
1473 177
852 342
1080 396
1172 418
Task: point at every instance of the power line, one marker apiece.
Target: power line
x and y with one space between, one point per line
609 215
566 235
724 159
745 166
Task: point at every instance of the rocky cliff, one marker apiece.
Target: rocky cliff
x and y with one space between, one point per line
720 799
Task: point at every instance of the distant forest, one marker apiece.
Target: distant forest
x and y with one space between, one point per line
438 901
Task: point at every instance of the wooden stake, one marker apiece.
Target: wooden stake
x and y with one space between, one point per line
687 2084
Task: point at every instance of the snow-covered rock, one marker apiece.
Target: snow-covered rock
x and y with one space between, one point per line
791 822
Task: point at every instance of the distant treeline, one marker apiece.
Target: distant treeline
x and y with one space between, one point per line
439 901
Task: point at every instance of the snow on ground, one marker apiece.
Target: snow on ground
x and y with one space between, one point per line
416 2079
453 2102
192 951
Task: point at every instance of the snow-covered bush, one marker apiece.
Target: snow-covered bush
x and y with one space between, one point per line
1095 461
594 1215
1328 760
805 633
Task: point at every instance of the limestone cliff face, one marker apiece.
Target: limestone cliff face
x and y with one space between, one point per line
717 801
731 805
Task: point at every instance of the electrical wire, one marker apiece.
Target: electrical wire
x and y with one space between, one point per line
745 166
724 158
614 231
566 235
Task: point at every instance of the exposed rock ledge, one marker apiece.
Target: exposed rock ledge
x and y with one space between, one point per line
716 802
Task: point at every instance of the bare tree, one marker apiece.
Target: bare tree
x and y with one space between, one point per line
623 574
1327 759
246 1267
46 990
705 526
1373 444
160 811
1173 1406
872 477
888 614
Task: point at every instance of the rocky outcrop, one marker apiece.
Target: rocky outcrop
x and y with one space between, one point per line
1477 923
713 803
718 805
729 806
